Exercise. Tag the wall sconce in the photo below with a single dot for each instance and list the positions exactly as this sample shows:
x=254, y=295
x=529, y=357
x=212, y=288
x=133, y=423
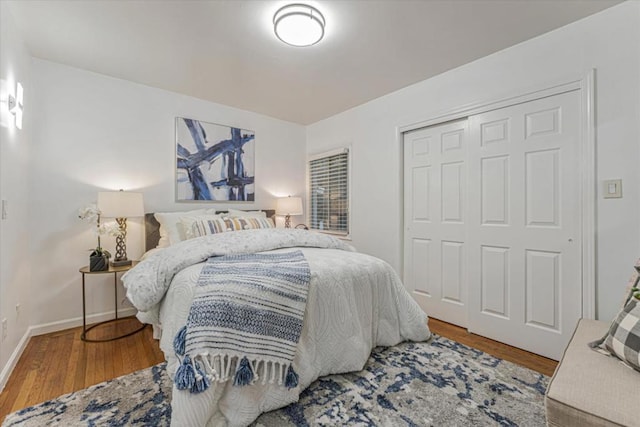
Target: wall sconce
x=16, y=105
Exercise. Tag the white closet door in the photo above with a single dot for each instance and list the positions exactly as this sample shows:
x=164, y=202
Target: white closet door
x=524, y=211
x=435, y=215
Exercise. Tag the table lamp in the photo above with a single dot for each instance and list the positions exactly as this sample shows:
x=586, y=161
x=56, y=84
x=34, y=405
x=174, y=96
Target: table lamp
x=120, y=205
x=288, y=206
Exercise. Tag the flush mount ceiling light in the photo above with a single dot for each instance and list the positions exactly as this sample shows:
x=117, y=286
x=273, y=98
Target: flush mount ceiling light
x=299, y=24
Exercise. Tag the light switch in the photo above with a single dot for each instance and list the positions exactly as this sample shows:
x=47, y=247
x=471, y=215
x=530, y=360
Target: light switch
x=613, y=189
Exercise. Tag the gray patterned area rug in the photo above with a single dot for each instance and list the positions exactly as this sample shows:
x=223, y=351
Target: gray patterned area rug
x=437, y=383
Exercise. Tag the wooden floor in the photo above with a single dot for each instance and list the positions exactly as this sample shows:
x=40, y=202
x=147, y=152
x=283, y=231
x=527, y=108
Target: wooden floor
x=494, y=348
x=59, y=363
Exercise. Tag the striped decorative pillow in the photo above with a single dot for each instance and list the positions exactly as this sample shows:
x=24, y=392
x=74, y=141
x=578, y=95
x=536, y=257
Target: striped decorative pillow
x=197, y=227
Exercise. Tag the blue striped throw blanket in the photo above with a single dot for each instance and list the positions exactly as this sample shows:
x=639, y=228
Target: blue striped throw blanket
x=245, y=321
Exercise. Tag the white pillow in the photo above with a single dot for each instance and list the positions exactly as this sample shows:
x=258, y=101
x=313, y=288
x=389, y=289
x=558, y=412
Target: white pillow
x=171, y=228
x=234, y=213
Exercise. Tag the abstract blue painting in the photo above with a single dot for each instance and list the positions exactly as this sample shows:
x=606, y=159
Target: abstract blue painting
x=214, y=162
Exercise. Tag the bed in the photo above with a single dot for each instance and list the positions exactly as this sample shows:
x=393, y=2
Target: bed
x=355, y=302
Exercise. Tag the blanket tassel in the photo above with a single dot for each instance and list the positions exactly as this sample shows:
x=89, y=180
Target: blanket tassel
x=201, y=382
x=185, y=378
x=179, y=341
x=292, y=378
x=244, y=374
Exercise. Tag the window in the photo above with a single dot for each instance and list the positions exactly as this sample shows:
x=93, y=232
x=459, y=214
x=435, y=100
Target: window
x=329, y=192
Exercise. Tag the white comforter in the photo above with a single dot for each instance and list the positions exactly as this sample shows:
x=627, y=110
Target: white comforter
x=355, y=302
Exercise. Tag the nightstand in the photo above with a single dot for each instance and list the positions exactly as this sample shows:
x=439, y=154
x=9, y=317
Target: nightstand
x=112, y=270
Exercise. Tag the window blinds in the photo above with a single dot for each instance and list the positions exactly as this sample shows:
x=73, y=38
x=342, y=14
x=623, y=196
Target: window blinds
x=329, y=192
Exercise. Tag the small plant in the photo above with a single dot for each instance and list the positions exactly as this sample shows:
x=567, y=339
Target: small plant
x=636, y=293
x=91, y=213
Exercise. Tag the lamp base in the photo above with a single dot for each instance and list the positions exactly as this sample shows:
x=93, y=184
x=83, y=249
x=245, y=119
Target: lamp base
x=121, y=263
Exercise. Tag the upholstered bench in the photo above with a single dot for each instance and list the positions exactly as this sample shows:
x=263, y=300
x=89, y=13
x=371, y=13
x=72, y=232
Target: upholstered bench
x=589, y=388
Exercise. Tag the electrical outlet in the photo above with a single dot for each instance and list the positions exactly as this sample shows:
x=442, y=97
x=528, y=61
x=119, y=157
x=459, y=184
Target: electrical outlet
x=5, y=330
x=5, y=207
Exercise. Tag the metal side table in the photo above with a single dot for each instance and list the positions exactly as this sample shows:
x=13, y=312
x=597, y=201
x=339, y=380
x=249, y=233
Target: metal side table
x=112, y=270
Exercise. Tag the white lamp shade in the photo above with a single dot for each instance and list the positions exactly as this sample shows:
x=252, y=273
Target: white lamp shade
x=120, y=204
x=289, y=206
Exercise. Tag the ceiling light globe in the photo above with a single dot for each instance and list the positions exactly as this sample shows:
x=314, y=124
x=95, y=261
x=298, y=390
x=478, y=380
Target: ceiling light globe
x=299, y=25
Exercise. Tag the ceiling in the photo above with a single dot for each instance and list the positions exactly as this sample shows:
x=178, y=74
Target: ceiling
x=226, y=52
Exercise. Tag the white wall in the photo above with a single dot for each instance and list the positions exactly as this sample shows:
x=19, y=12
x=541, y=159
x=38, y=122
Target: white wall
x=99, y=133
x=15, y=65
x=85, y=132
x=608, y=41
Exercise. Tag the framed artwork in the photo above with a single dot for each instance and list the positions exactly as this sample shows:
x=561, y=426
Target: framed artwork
x=214, y=162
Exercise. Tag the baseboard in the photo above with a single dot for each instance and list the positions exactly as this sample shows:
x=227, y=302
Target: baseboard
x=61, y=325
x=13, y=360
x=46, y=328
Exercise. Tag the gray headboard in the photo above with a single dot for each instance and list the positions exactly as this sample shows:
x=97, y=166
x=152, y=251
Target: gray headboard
x=151, y=231
x=152, y=227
